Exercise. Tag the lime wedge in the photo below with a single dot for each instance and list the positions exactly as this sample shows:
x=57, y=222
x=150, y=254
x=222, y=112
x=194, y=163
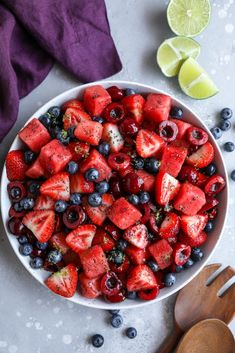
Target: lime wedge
x=188, y=17
x=172, y=53
x=195, y=82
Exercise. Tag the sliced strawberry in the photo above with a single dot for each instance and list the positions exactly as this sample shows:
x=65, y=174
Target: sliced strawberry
x=157, y=107
x=89, y=287
x=141, y=278
x=166, y=188
x=172, y=160
x=54, y=157
x=73, y=116
x=103, y=239
x=214, y=185
x=96, y=98
x=72, y=103
x=94, y=261
x=134, y=105
x=99, y=214
x=89, y=131
x=195, y=241
x=43, y=202
x=192, y=175
x=41, y=223
x=170, y=226
x=63, y=282
x=15, y=165
x=193, y=225
x=57, y=241
x=81, y=237
x=79, y=184
x=181, y=254
x=112, y=135
x=190, y=199
x=57, y=187
x=137, y=236
x=148, y=143
x=182, y=128
x=78, y=150
x=36, y=170
x=34, y=135
x=123, y=214
x=162, y=253
x=96, y=160
x=202, y=157
x=136, y=255
x=149, y=180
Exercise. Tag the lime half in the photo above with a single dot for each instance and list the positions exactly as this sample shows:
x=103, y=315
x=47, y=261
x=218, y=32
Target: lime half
x=195, y=82
x=172, y=53
x=188, y=17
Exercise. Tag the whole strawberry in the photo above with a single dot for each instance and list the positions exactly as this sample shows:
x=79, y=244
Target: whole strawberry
x=15, y=165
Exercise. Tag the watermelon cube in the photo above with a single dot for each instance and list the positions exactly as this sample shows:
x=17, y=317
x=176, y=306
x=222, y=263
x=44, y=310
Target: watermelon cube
x=96, y=160
x=96, y=98
x=190, y=199
x=94, y=262
x=36, y=170
x=34, y=135
x=157, y=107
x=162, y=253
x=172, y=160
x=89, y=131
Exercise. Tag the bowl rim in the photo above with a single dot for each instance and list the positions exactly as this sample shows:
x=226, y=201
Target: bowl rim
x=172, y=290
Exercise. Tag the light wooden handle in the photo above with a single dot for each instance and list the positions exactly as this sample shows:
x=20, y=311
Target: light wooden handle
x=171, y=342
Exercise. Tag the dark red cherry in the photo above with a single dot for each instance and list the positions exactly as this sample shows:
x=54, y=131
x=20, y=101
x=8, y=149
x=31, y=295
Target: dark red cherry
x=73, y=217
x=132, y=183
x=114, y=113
x=149, y=294
x=168, y=130
x=110, y=284
x=129, y=128
x=116, y=93
x=16, y=191
x=16, y=227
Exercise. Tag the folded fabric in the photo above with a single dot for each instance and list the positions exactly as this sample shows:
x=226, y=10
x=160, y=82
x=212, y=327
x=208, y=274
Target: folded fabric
x=33, y=34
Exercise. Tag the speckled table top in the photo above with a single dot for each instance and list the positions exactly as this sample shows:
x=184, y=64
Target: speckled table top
x=32, y=320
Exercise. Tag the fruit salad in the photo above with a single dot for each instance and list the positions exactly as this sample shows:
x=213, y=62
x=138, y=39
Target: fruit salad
x=112, y=194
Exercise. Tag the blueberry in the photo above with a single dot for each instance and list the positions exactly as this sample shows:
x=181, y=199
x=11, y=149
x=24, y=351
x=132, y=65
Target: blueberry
x=97, y=340
x=60, y=206
x=104, y=148
x=99, y=119
x=34, y=187
x=70, y=132
x=233, y=175
x=36, y=263
x=209, y=226
x=63, y=137
x=176, y=112
x=54, y=131
x=75, y=198
x=197, y=254
x=225, y=125
x=210, y=169
x=129, y=92
x=144, y=197
x=116, y=256
x=226, y=113
x=138, y=163
x=22, y=239
x=134, y=199
x=152, y=165
x=152, y=265
x=178, y=268
x=17, y=207
x=131, y=295
x=54, y=111
x=189, y=263
x=29, y=157
x=102, y=187
x=229, y=146
x=27, y=203
x=54, y=256
x=121, y=244
x=131, y=332
x=216, y=132
x=41, y=246
x=94, y=199
x=15, y=192
x=116, y=321
x=26, y=249
x=92, y=174
x=45, y=119
x=169, y=279
x=72, y=167
x=113, y=312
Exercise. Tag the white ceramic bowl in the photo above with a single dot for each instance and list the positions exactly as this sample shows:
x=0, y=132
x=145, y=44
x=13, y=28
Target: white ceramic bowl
x=209, y=247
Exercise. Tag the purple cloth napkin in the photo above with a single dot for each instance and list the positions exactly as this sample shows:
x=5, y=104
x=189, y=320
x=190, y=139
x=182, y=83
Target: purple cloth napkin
x=33, y=34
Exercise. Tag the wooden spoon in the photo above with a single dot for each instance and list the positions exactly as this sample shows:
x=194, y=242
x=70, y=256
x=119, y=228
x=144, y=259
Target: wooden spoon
x=198, y=301
x=210, y=335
